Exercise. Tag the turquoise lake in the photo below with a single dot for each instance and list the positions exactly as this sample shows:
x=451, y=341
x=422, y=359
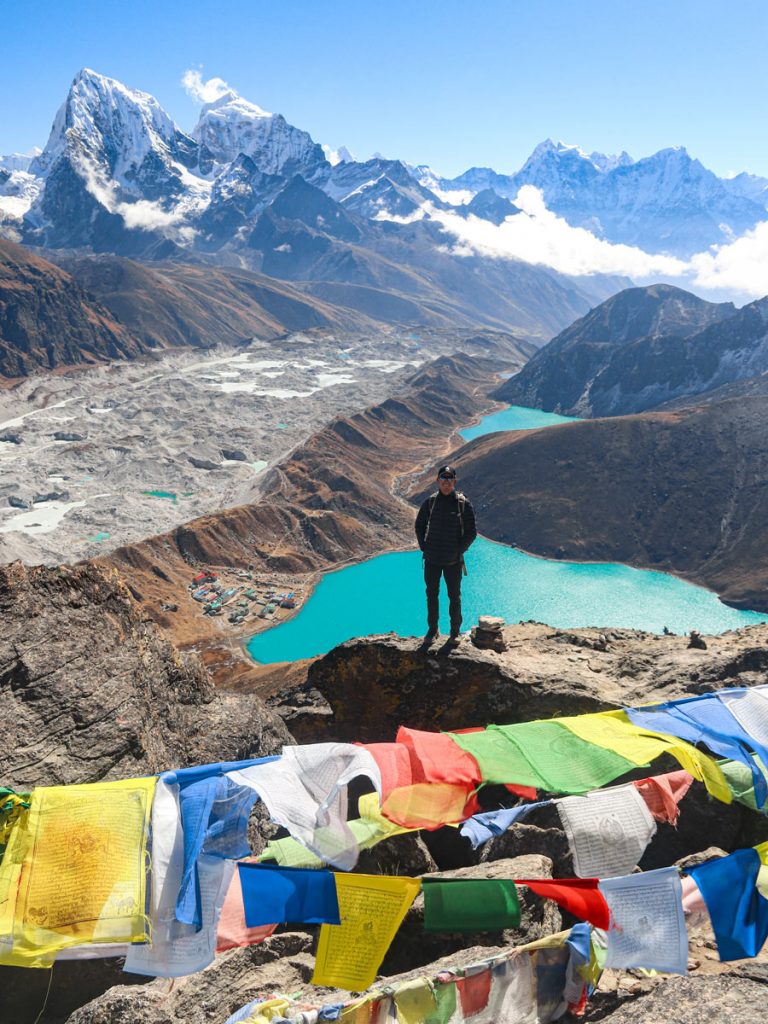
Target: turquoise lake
x=387, y=593
x=516, y=417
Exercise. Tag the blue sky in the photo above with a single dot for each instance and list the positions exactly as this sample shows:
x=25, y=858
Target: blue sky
x=447, y=83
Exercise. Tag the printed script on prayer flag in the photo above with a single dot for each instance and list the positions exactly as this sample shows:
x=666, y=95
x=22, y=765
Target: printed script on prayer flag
x=371, y=908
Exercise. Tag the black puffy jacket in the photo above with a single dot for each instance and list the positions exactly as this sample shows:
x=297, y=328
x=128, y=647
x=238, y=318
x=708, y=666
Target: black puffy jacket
x=440, y=535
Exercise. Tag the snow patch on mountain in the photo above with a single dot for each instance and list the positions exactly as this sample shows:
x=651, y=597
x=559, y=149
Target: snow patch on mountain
x=17, y=193
x=19, y=161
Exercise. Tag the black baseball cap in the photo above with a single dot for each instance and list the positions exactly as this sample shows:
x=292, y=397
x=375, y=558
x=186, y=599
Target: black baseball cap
x=447, y=473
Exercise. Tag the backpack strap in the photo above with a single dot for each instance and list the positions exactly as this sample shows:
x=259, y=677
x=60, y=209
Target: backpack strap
x=462, y=500
x=430, y=510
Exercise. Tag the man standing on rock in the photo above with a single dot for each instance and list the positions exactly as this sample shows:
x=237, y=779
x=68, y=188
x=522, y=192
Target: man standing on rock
x=445, y=528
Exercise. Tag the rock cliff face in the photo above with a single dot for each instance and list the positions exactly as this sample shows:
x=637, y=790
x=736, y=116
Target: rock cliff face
x=683, y=492
x=48, y=320
x=89, y=690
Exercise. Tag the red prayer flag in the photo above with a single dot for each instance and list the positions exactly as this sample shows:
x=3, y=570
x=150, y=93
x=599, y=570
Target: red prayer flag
x=439, y=758
x=580, y=896
x=474, y=990
x=663, y=793
x=232, y=930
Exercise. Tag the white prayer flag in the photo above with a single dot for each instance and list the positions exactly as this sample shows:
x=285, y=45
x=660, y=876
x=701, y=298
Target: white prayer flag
x=306, y=792
x=176, y=949
x=647, y=921
x=608, y=830
x=750, y=709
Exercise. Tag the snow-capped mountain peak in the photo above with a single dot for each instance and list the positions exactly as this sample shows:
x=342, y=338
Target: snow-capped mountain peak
x=232, y=125
x=236, y=105
x=338, y=156
x=101, y=115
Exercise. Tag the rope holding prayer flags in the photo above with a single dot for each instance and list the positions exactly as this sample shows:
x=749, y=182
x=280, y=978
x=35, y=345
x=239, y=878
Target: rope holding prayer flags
x=423, y=780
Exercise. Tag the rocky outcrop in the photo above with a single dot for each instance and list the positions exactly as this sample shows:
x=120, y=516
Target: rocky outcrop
x=89, y=690
x=545, y=672
x=739, y=995
x=683, y=492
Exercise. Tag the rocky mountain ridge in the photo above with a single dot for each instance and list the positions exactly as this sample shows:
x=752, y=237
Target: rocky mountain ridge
x=246, y=188
x=643, y=348
x=84, y=310
x=47, y=319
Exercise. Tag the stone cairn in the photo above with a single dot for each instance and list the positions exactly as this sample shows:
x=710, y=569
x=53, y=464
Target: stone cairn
x=487, y=634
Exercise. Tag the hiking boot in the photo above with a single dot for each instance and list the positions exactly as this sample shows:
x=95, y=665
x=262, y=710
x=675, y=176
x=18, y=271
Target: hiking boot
x=455, y=637
x=430, y=635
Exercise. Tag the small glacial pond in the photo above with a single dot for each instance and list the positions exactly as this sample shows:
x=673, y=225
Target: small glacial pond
x=516, y=417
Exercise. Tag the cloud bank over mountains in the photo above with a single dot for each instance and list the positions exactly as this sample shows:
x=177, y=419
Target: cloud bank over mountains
x=537, y=235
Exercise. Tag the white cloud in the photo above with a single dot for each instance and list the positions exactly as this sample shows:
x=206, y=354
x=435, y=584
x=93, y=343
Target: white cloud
x=204, y=92
x=539, y=236
x=143, y=213
x=741, y=266
x=536, y=235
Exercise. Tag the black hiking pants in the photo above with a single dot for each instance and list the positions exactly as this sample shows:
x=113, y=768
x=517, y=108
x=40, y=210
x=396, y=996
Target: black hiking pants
x=452, y=574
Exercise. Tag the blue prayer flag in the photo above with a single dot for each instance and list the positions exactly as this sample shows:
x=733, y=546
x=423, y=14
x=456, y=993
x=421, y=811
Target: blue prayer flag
x=738, y=912
x=274, y=895
x=214, y=813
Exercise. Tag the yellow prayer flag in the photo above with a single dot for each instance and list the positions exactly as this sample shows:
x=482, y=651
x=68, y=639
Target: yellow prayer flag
x=426, y=804
x=614, y=731
x=370, y=810
x=268, y=1011
x=371, y=908
x=75, y=870
x=414, y=1001
x=358, y=1012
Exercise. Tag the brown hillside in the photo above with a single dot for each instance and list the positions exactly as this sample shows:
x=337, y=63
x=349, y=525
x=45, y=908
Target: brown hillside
x=176, y=304
x=47, y=320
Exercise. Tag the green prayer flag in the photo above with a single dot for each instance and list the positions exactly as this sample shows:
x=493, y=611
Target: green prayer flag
x=445, y=997
x=567, y=763
x=470, y=905
x=499, y=758
x=740, y=782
